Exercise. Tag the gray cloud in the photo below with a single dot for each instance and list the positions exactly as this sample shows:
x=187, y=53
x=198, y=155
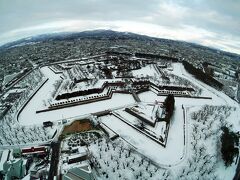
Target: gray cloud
x=209, y=22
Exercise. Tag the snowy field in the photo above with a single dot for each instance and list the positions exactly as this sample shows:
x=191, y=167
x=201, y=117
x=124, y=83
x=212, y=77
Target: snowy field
x=218, y=98
x=28, y=116
x=200, y=152
x=170, y=155
x=117, y=160
x=150, y=96
x=203, y=156
x=148, y=70
x=118, y=100
x=158, y=130
x=9, y=77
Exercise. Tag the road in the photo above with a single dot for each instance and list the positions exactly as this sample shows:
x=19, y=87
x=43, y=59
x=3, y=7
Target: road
x=55, y=146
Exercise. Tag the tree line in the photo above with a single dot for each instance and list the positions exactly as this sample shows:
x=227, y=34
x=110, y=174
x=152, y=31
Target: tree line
x=169, y=104
x=230, y=142
x=157, y=56
x=199, y=74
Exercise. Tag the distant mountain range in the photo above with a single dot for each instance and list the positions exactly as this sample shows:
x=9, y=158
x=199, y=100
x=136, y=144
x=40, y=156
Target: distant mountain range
x=95, y=34
x=101, y=34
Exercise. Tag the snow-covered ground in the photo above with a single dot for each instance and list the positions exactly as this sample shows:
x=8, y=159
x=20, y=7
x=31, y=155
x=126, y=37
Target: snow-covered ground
x=171, y=155
x=158, y=130
x=203, y=156
x=177, y=156
x=150, y=97
x=117, y=100
x=147, y=70
x=218, y=98
x=119, y=161
x=29, y=116
x=9, y=77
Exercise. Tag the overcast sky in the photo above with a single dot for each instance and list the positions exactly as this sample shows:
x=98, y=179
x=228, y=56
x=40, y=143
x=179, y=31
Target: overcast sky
x=214, y=23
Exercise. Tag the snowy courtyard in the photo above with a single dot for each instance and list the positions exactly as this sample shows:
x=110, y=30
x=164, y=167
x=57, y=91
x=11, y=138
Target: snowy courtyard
x=131, y=136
